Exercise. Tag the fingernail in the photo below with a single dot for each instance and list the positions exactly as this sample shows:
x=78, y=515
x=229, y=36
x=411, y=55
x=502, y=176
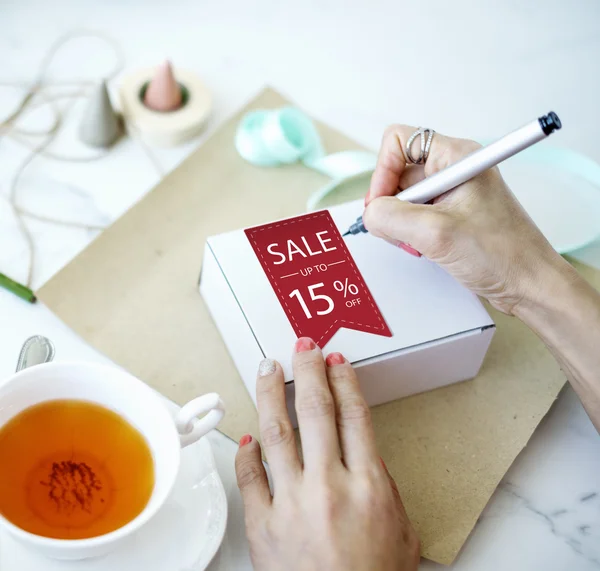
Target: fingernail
x=368, y=197
x=266, y=367
x=335, y=359
x=246, y=439
x=304, y=344
x=409, y=249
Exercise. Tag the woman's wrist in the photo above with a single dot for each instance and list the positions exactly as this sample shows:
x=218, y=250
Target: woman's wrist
x=565, y=314
x=558, y=293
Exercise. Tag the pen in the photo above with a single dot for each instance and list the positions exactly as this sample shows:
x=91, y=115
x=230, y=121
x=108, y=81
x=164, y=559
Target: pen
x=473, y=164
x=16, y=288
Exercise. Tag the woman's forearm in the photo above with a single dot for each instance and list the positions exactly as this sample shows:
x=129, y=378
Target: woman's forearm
x=564, y=311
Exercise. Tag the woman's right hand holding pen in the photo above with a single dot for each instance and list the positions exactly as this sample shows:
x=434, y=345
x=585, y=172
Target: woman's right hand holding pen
x=482, y=236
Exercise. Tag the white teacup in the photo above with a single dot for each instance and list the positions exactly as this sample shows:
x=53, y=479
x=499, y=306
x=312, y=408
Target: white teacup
x=136, y=402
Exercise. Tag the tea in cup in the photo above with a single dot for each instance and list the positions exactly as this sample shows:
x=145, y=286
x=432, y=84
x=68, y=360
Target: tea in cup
x=88, y=454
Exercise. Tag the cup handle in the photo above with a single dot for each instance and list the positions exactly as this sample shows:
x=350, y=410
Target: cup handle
x=192, y=429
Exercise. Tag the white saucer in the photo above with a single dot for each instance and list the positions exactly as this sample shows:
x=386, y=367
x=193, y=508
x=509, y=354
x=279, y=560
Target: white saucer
x=184, y=535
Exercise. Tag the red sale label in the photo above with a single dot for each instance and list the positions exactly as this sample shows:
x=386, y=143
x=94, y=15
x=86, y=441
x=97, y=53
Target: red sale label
x=317, y=282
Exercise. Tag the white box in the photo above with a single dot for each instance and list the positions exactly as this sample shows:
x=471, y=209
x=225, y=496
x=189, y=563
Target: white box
x=440, y=330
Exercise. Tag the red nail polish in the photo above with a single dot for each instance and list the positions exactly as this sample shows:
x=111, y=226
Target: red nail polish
x=246, y=439
x=304, y=344
x=335, y=359
x=409, y=249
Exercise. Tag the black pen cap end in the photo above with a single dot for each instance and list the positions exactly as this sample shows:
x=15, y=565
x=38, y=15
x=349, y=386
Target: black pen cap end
x=550, y=123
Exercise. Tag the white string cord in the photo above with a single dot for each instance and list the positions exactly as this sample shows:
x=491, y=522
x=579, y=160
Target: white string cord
x=41, y=92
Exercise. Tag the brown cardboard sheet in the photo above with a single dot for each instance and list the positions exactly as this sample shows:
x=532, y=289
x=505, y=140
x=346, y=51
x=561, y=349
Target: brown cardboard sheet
x=133, y=294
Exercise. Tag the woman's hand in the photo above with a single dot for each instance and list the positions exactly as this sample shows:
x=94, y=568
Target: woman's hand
x=478, y=232
x=337, y=510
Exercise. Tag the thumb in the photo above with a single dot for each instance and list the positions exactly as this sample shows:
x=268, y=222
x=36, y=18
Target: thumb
x=422, y=226
x=394, y=487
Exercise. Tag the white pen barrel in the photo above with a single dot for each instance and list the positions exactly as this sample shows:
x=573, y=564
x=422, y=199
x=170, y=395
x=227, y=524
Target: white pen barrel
x=474, y=164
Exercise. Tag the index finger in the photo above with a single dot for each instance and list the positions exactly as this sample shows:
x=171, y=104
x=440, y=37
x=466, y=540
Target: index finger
x=394, y=172
x=391, y=162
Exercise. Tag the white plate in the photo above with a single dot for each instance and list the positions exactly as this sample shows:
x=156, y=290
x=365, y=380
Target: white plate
x=560, y=189
x=566, y=209
x=183, y=536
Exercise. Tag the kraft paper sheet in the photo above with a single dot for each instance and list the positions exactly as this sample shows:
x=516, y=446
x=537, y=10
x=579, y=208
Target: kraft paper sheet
x=133, y=294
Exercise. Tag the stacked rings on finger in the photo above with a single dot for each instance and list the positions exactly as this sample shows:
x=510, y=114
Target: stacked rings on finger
x=426, y=137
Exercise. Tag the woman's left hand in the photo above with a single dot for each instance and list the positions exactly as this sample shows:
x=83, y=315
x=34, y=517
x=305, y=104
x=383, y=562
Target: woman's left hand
x=340, y=509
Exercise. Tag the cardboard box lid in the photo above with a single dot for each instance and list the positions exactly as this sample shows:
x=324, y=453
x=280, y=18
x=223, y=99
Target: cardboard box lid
x=419, y=301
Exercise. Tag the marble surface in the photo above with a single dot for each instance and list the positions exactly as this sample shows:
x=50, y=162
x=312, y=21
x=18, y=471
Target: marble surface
x=467, y=68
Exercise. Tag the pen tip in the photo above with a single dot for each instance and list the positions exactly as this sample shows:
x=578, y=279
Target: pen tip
x=346, y=234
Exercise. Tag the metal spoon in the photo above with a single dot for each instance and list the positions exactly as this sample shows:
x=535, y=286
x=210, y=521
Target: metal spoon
x=35, y=351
